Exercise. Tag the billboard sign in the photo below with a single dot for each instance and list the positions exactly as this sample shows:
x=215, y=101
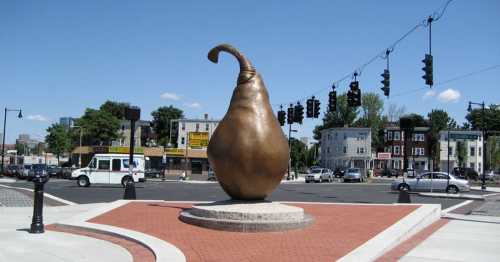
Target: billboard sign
x=198, y=139
x=384, y=156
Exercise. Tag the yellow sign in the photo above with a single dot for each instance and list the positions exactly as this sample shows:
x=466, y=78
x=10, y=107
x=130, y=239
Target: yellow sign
x=125, y=150
x=198, y=139
x=174, y=151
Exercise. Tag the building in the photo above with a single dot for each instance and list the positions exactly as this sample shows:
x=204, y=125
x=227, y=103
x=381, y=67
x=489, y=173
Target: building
x=470, y=143
x=29, y=145
x=418, y=154
x=143, y=135
x=346, y=147
x=67, y=122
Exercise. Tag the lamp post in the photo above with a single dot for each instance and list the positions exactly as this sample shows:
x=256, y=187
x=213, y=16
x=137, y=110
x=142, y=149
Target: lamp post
x=483, y=127
x=133, y=114
x=80, y=151
x=290, y=130
x=20, y=115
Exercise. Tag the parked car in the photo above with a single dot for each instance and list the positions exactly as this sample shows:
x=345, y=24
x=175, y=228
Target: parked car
x=37, y=169
x=339, y=172
x=25, y=172
x=13, y=170
x=354, y=174
x=389, y=172
x=465, y=173
x=490, y=175
x=437, y=181
x=54, y=171
x=152, y=173
x=319, y=175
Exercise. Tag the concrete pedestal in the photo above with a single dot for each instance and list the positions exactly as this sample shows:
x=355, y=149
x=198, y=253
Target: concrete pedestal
x=246, y=216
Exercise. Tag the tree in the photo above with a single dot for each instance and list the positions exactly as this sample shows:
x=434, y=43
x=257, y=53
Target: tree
x=117, y=109
x=491, y=115
x=394, y=112
x=100, y=126
x=372, y=107
x=161, y=123
x=58, y=140
x=343, y=116
x=298, y=154
x=438, y=121
x=461, y=153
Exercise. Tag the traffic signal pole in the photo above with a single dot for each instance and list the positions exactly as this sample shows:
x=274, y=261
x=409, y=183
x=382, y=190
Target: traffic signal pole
x=289, y=152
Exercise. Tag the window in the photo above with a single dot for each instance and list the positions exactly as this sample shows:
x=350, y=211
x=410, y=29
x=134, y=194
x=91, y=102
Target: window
x=329, y=137
x=103, y=165
x=207, y=126
x=345, y=136
x=472, y=165
x=182, y=141
x=197, y=127
x=328, y=150
x=115, y=165
x=440, y=176
x=361, y=150
x=93, y=163
x=450, y=150
x=479, y=167
x=389, y=135
x=397, y=135
x=125, y=163
x=396, y=150
x=420, y=151
x=183, y=126
x=397, y=164
x=479, y=151
x=472, y=151
x=418, y=137
x=345, y=149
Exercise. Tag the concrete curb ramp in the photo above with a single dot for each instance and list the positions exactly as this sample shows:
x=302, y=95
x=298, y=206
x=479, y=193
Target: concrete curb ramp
x=424, y=216
x=162, y=250
x=456, y=196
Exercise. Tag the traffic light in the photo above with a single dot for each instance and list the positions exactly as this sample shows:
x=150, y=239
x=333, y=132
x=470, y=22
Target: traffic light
x=429, y=79
x=298, y=113
x=332, y=101
x=281, y=116
x=354, y=95
x=386, y=82
x=316, y=108
x=310, y=110
x=290, y=115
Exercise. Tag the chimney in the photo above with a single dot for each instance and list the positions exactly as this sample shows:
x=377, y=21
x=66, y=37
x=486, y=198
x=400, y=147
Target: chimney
x=206, y=116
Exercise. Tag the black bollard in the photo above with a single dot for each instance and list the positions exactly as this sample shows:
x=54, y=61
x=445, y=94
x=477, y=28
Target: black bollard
x=129, y=191
x=404, y=196
x=37, y=222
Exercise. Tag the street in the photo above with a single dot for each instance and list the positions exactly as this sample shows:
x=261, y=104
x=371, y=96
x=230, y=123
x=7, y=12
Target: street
x=186, y=191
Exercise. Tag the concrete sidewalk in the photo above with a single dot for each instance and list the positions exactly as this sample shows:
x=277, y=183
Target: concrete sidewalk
x=19, y=245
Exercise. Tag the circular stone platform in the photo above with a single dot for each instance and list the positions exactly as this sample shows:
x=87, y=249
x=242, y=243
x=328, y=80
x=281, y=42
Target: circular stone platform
x=246, y=216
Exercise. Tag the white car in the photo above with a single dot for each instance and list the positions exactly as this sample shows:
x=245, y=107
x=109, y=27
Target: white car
x=319, y=175
x=432, y=181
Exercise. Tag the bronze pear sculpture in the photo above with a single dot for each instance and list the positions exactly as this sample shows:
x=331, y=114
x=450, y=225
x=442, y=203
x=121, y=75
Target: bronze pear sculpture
x=248, y=150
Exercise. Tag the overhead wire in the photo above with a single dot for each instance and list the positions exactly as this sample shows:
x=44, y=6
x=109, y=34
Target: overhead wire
x=436, y=15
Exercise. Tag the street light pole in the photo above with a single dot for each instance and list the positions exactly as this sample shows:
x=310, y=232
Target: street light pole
x=20, y=115
x=80, y=153
x=484, y=129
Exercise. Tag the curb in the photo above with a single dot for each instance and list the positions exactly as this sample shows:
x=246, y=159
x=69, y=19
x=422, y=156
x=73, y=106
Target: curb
x=454, y=196
x=395, y=234
x=162, y=250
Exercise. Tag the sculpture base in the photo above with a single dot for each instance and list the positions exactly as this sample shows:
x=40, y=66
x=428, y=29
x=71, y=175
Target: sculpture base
x=246, y=216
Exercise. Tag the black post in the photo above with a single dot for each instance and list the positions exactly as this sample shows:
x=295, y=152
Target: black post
x=132, y=114
x=290, y=148
x=37, y=226
x=3, y=138
x=448, y=150
x=483, y=182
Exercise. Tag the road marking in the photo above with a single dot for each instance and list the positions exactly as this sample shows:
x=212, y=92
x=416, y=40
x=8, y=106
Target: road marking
x=461, y=204
x=45, y=194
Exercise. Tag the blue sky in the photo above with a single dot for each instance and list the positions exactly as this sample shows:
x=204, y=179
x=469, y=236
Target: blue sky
x=60, y=57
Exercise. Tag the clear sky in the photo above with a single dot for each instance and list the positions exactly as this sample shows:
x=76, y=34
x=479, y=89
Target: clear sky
x=59, y=57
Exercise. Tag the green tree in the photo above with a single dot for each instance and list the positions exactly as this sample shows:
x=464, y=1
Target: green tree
x=461, y=153
x=372, y=107
x=117, y=109
x=100, y=127
x=161, y=123
x=58, y=140
x=298, y=154
x=491, y=116
x=343, y=116
x=438, y=121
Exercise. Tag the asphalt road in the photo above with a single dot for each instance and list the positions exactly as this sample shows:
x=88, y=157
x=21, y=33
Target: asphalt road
x=180, y=191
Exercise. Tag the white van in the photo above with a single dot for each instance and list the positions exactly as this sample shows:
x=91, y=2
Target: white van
x=110, y=169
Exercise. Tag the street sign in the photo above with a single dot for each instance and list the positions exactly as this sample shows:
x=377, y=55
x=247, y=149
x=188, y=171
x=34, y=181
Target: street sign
x=175, y=151
x=464, y=136
x=198, y=139
x=384, y=156
x=125, y=150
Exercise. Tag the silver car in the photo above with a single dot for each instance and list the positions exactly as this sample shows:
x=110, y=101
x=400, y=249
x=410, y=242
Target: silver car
x=432, y=181
x=319, y=175
x=353, y=174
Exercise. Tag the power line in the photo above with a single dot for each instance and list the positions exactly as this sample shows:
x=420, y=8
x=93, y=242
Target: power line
x=436, y=15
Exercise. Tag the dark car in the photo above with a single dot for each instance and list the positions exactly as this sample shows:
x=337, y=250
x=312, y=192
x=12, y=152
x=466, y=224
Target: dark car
x=13, y=170
x=465, y=173
x=152, y=173
x=388, y=172
x=339, y=172
x=54, y=171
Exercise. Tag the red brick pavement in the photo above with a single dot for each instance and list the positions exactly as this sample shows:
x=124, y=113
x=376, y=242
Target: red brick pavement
x=337, y=230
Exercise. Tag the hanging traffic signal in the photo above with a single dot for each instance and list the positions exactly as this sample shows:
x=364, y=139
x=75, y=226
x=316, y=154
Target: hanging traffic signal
x=298, y=113
x=429, y=79
x=332, y=100
x=310, y=110
x=386, y=82
x=281, y=116
x=290, y=115
x=354, y=95
x=316, y=107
